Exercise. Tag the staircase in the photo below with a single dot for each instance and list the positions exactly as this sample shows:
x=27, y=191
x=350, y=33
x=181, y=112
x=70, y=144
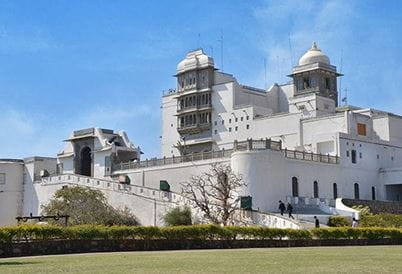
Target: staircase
x=137, y=198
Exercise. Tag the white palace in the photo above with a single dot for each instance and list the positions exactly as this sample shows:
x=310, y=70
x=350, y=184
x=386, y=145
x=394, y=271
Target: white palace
x=292, y=142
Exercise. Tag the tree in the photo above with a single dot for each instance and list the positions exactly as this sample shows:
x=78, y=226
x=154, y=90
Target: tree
x=87, y=206
x=215, y=193
x=178, y=216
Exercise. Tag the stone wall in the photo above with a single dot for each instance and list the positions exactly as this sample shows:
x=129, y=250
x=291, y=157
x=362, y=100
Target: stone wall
x=85, y=246
x=376, y=206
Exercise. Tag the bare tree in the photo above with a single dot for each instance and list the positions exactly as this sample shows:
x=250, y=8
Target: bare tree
x=215, y=193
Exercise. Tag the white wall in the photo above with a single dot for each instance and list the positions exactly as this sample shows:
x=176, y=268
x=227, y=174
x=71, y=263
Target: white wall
x=11, y=192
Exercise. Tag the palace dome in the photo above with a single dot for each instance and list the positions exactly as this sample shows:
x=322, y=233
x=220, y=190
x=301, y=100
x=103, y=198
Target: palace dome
x=195, y=59
x=314, y=55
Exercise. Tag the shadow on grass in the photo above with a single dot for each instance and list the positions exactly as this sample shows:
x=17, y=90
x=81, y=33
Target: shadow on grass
x=18, y=263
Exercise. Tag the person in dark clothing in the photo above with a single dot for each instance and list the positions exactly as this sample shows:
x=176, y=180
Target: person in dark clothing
x=290, y=210
x=317, y=222
x=282, y=207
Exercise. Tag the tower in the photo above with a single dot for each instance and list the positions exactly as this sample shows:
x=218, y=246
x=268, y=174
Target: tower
x=195, y=78
x=315, y=74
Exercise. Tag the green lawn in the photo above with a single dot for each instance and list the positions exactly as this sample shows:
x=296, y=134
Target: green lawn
x=375, y=259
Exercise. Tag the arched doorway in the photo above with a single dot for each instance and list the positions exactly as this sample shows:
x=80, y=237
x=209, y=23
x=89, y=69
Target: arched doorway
x=335, y=190
x=295, y=187
x=357, y=192
x=315, y=189
x=373, y=193
x=86, y=161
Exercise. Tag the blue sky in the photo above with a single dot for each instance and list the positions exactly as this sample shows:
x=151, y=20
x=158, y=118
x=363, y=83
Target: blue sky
x=67, y=65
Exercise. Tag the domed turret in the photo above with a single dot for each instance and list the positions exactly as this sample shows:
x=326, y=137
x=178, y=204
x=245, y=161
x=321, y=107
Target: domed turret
x=314, y=55
x=196, y=59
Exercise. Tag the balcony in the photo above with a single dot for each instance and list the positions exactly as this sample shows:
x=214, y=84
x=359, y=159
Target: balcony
x=191, y=108
x=194, y=128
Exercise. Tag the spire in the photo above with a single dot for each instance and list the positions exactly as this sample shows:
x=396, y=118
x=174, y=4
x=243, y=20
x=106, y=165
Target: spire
x=314, y=46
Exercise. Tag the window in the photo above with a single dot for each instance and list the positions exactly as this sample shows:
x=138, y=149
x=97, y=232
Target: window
x=335, y=190
x=347, y=153
x=247, y=117
x=327, y=83
x=59, y=168
x=248, y=127
x=2, y=178
x=237, y=119
x=347, y=143
x=357, y=194
x=353, y=156
x=361, y=129
x=108, y=165
x=315, y=189
x=230, y=121
x=230, y=129
x=223, y=122
x=378, y=156
x=241, y=118
x=373, y=193
x=360, y=155
x=236, y=128
x=306, y=83
x=392, y=158
x=215, y=123
x=216, y=132
x=295, y=187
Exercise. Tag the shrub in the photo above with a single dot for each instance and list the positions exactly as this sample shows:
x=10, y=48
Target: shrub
x=381, y=220
x=338, y=221
x=87, y=206
x=178, y=216
x=196, y=232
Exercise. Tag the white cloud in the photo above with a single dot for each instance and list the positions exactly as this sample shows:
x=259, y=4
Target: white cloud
x=325, y=22
x=25, y=135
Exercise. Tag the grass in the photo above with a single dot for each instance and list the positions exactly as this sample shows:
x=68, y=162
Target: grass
x=374, y=259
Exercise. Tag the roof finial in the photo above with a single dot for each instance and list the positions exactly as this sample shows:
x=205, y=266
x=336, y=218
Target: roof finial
x=314, y=46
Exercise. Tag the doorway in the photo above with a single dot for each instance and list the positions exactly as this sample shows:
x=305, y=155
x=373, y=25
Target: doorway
x=86, y=161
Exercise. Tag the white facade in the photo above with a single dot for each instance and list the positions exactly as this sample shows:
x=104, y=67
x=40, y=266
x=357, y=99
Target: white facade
x=304, y=145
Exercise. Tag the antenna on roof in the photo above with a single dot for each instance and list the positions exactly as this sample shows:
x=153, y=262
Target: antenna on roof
x=340, y=78
x=291, y=52
x=199, y=41
x=345, y=99
x=265, y=73
x=221, y=41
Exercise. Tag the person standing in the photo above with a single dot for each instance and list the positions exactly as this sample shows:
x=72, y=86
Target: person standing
x=290, y=210
x=282, y=207
x=355, y=223
x=317, y=222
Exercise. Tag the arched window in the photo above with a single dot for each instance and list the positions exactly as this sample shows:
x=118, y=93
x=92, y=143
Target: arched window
x=357, y=194
x=373, y=193
x=335, y=190
x=86, y=162
x=295, y=187
x=315, y=189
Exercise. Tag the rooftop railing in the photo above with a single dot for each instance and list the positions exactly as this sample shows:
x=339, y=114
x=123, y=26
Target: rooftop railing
x=248, y=145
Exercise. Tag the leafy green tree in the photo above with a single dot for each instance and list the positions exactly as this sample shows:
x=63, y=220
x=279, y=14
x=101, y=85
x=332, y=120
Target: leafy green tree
x=87, y=206
x=178, y=216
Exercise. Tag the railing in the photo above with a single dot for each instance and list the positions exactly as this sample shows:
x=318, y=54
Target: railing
x=141, y=191
x=309, y=156
x=160, y=196
x=196, y=125
x=195, y=107
x=174, y=160
x=250, y=144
